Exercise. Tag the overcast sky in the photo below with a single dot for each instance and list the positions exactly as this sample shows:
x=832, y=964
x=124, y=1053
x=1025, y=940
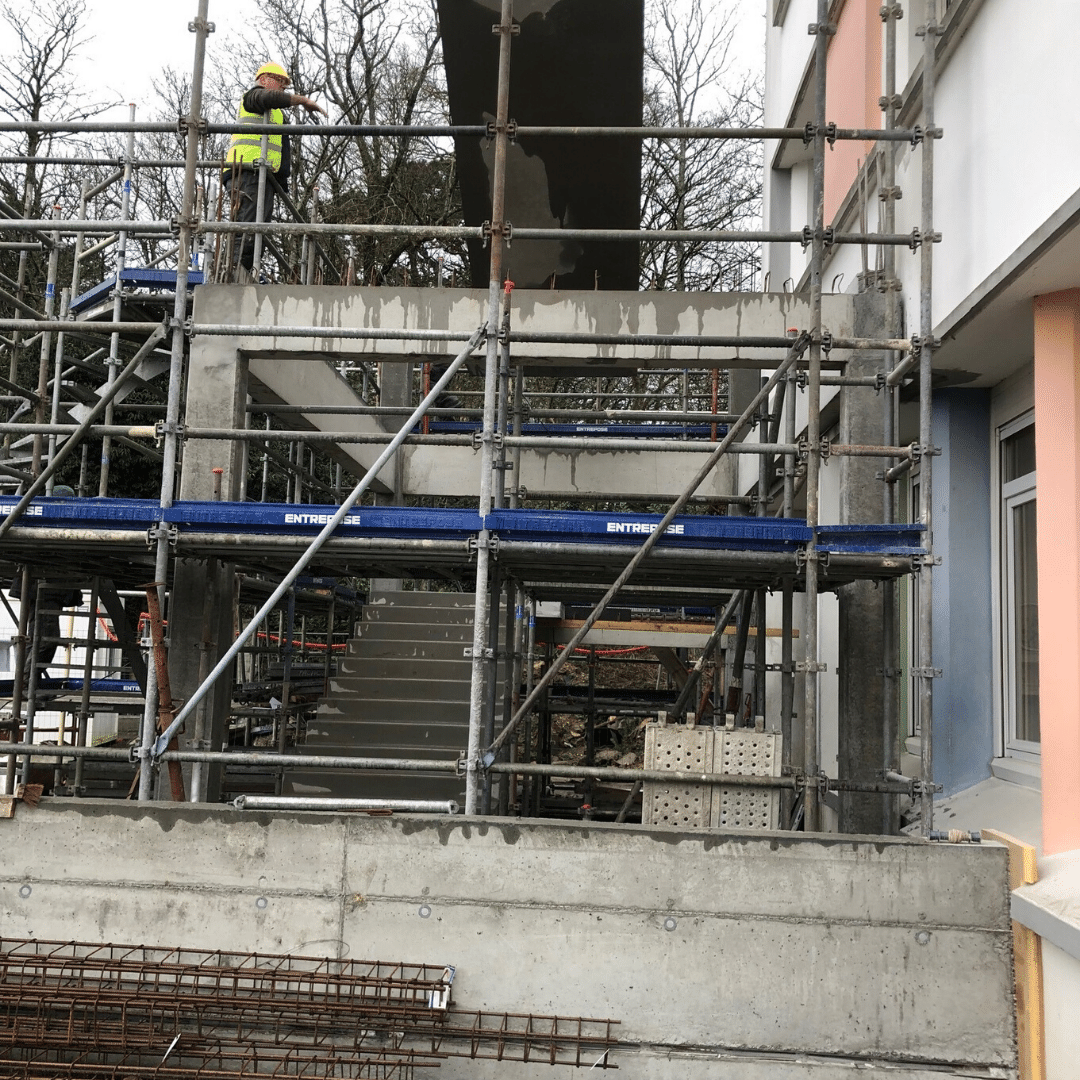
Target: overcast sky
x=131, y=42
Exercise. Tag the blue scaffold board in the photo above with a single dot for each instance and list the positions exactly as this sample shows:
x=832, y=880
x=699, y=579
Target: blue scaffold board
x=90, y=513
x=607, y=431
x=597, y=527
x=900, y=539
x=410, y=522
x=133, y=277
x=405, y=522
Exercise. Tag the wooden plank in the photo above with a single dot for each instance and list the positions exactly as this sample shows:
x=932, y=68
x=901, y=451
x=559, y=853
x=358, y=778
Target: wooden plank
x=1027, y=962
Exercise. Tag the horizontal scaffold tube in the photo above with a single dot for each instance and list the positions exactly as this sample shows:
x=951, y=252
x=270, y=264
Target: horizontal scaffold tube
x=566, y=443
x=325, y=761
x=69, y=327
x=77, y=225
x=298, y=802
x=235, y=757
x=464, y=232
x=554, y=337
x=466, y=130
x=353, y=333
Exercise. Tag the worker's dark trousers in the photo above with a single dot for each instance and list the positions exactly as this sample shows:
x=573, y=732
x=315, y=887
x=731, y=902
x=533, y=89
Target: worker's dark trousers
x=243, y=194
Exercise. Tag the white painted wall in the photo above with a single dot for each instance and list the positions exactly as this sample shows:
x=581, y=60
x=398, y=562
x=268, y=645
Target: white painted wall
x=1061, y=991
x=1006, y=101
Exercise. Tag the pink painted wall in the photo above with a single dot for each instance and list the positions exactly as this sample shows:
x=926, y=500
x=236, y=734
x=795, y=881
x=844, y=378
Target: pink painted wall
x=1057, y=453
x=853, y=88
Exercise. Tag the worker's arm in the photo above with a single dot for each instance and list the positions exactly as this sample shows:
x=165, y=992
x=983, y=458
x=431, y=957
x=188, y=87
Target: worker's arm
x=258, y=100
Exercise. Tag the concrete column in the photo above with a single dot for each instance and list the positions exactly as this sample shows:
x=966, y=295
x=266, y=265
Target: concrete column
x=865, y=746
x=1057, y=452
x=200, y=610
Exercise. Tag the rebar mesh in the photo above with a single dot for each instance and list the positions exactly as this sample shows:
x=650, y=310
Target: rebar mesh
x=72, y=1009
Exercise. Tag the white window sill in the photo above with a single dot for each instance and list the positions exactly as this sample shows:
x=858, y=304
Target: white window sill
x=1018, y=771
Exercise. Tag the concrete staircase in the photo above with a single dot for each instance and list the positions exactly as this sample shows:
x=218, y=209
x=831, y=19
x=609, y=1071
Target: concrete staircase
x=402, y=691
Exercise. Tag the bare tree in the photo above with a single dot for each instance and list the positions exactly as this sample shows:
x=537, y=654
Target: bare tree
x=36, y=83
x=698, y=184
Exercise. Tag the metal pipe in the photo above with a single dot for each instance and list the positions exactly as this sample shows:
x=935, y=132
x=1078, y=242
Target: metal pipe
x=468, y=232
x=753, y=134
x=70, y=228
x=101, y=245
x=81, y=328
x=171, y=442
x=313, y=547
x=113, y=362
x=45, y=351
x=480, y=616
x=282, y=802
x=890, y=13
x=89, y=647
x=811, y=802
x=925, y=678
x=796, y=348
x=679, y=708
x=652, y=776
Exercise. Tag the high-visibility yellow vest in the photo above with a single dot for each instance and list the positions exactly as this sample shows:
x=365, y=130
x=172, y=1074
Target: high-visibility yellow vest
x=246, y=147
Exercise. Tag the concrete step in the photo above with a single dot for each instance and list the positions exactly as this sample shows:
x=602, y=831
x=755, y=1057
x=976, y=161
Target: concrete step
x=409, y=632
x=401, y=667
x=403, y=711
x=413, y=688
x=363, y=650
x=420, y=615
x=426, y=600
x=430, y=738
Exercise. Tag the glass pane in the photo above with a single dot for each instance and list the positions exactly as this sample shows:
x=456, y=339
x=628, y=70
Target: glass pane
x=1026, y=622
x=1019, y=453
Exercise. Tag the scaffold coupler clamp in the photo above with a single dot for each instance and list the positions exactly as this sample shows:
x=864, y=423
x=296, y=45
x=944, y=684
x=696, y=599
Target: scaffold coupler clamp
x=162, y=530
x=201, y=24
x=137, y=754
x=462, y=764
x=490, y=542
x=185, y=326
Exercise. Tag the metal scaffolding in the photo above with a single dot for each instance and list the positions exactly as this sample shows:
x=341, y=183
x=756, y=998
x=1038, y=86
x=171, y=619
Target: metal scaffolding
x=798, y=366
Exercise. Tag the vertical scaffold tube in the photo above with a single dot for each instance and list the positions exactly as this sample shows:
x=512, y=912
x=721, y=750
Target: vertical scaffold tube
x=812, y=804
x=925, y=679
x=46, y=349
x=491, y=371
x=114, y=339
x=187, y=222
x=890, y=719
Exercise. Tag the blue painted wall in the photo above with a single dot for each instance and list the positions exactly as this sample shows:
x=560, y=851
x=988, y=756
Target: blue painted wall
x=963, y=612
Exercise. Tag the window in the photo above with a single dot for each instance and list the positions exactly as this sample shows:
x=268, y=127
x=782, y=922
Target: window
x=1020, y=580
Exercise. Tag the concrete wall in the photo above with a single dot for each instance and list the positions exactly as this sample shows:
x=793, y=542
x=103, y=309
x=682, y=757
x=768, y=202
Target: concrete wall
x=736, y=954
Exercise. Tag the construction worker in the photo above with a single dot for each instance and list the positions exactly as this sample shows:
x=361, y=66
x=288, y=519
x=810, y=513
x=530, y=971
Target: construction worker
x=263, y=102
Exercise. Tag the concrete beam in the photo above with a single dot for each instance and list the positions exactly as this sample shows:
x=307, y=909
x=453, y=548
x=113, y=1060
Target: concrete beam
x=461, y=311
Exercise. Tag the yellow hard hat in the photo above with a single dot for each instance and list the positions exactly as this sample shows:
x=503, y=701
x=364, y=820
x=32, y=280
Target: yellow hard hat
x=271, y=68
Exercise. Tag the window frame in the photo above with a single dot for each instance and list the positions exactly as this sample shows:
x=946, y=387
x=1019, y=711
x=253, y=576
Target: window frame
x=1013, y=494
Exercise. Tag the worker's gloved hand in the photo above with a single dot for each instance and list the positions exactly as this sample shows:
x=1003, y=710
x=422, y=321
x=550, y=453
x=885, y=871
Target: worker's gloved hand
x=310, y=104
